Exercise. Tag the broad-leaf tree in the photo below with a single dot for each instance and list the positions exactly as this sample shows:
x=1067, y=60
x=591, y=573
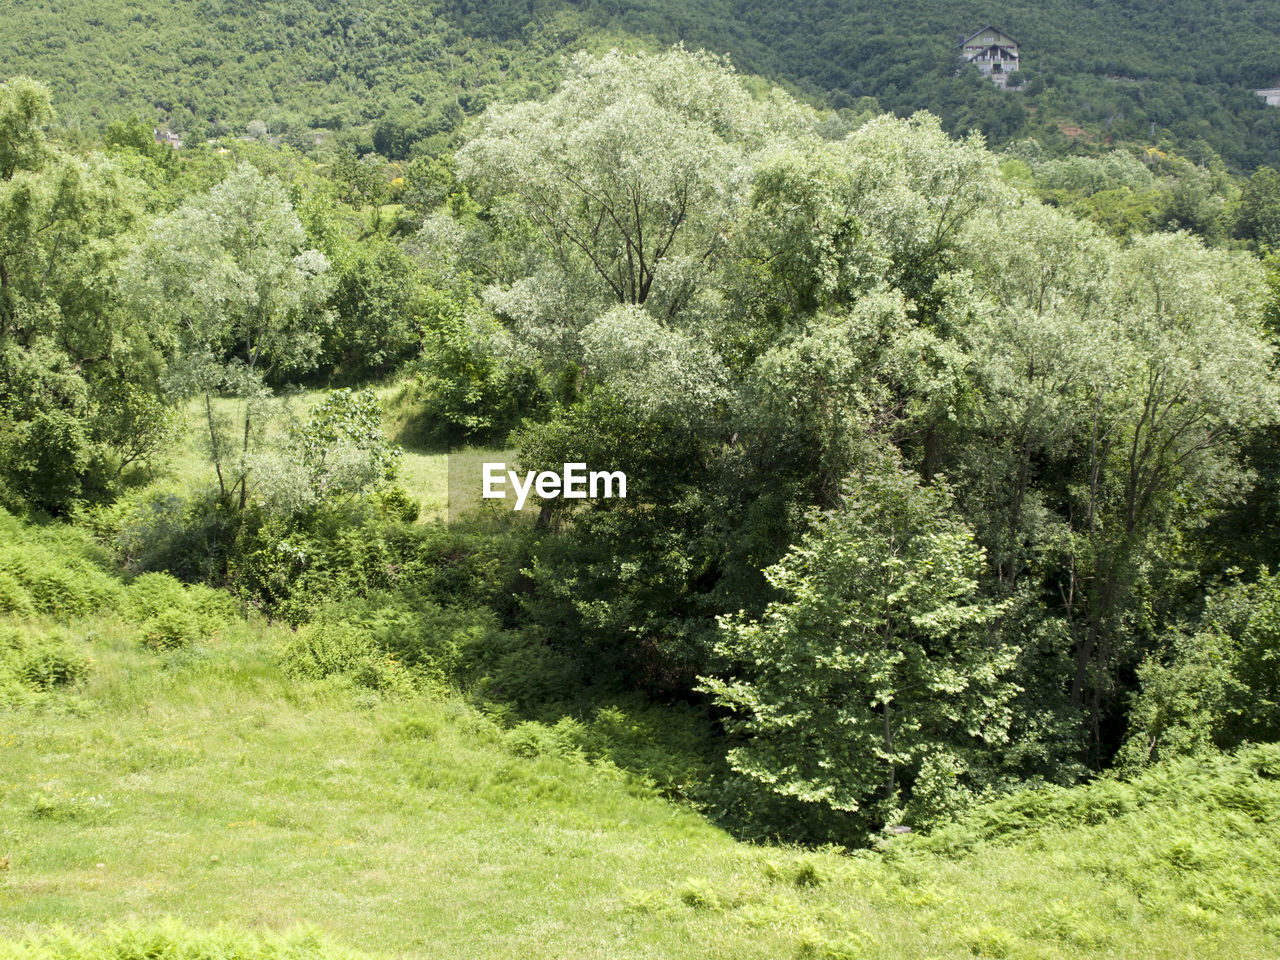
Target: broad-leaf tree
x=79, y=396
x=876, y=658
x=630, y=174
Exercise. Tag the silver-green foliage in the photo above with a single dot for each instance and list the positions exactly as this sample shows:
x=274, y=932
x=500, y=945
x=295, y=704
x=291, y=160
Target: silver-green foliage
x=339, y=452
x=232, y=271
x=631, y=174
x=1132, y=373
x=343, y=446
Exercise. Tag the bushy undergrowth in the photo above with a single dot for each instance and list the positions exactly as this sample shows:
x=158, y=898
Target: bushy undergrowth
x=392, y=607
x=666, y=746
x=59, y=573
x=34, y=662
x=1216, y=682
x=1244, y=784
x=293, y=569
x=329, y=649
x=467, y=385
x=173, y=614
x=292, y=566
x=54, y=570
x=173, y=941
x=155, y=529
x=362, y=636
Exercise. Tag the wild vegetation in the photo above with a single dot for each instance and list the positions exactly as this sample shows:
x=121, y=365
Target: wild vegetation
x=401, y=78
x=940, y=599
x=221, y=787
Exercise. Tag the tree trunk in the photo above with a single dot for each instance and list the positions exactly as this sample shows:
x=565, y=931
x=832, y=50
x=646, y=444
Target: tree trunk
x=888, y=749
x=213, y=443
x=244, y=452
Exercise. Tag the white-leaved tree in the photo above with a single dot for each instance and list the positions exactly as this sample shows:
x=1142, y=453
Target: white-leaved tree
x=631, y=173
x=1117, y=386
x=232, y=272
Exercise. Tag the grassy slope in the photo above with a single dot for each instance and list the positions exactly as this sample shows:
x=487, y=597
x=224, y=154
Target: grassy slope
x=204, y=784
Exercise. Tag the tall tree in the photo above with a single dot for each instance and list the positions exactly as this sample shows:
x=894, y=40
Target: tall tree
x=231, y=269
x=630, y=174
x=1259, y=215
x=1117, y=388
x=78, y=378
x=875, y=659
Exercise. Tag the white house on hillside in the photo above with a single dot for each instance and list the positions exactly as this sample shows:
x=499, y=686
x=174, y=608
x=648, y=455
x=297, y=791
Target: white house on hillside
x=993, y=52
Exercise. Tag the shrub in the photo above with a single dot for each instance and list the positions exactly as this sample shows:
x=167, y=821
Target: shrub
x=532, y=739
x=47, y=448
x=342, y=446
x=14, y=597
x=988, y=940
x=803, y=872
x=161, y=531
x=37, y=662
x=396, y=505
x=171, y=629
x=329, y=648
x=294, y=568
x=1217, y=684
x=152, y=594
x=376, y=301
x=53, y=570
x=56, y=584
x=173, y=614
x=516, y=668
x=324, y=649
x=469, y=384
x=668, y=745
x=1244, y=782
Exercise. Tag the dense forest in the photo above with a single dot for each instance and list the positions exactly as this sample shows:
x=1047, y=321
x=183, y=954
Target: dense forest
x=401, y=77
x=949, y=538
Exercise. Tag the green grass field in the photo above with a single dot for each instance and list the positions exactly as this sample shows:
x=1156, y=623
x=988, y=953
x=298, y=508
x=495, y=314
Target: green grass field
x=204, y=784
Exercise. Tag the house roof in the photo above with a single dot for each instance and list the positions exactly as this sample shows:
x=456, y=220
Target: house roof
x=994, y=48
x=984, y=30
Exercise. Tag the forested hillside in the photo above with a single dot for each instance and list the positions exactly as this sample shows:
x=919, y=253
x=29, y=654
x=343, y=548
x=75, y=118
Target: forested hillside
x=395, y=74
x=1116, y=67
x=210, y=68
